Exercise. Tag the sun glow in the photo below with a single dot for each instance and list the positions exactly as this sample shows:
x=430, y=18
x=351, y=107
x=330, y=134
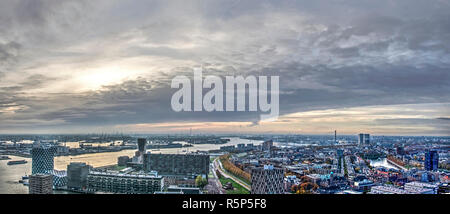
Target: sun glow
x=96, y=78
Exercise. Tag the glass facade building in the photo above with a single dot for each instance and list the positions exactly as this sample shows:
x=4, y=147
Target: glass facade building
x=267, y=180
x=59, y=178
x=42, y=159
x=431, y=160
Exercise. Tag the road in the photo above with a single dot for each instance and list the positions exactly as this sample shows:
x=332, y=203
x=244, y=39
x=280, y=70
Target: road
x=214, y=183
x=218, y=165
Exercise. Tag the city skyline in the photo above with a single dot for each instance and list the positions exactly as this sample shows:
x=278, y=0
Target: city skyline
x=106, y=66
x=363, y=119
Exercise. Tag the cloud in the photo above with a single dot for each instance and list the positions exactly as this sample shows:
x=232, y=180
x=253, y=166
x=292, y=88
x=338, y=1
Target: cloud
x=443, y=118
x=105, y=63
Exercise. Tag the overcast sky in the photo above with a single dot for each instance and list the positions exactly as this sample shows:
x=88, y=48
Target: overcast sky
x=381, y=67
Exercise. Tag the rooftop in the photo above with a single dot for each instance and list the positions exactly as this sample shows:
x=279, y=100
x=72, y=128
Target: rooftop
x=115, y=174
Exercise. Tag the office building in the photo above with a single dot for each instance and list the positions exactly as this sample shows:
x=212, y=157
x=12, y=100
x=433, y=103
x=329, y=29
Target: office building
x=59, y=178
x=42, y=162
x=42, y=158
x=139, y=154
x=41, y=184
x=363, y=139
x=367, y=138
x=123, y=160
x=77, y=175
x=431, y=160
x=177, y=164
x=267, y=145
x=227, y=148
x=142, y=143
x=267, y=180
x=400, y=150
x=142, y=183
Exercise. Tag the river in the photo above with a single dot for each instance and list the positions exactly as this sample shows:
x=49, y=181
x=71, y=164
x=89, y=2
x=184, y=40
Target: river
x=382, y=162
x=11, y=174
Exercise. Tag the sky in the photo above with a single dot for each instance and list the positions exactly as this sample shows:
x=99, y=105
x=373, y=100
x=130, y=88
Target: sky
x=381, y=67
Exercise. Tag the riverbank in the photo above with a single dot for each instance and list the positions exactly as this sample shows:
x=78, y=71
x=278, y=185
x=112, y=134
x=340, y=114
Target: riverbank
x=10, y=175
x=383, y=162
x=396, y=165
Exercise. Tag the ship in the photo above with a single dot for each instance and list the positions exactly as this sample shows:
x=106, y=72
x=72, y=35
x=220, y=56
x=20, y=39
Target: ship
x=24, y=180
x=17, y=162
x=4, y=157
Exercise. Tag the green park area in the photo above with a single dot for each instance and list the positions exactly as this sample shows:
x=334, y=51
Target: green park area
x=237, y=188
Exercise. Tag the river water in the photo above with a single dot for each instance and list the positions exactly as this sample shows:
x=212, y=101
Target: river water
x=382, y=162
x=11, y=174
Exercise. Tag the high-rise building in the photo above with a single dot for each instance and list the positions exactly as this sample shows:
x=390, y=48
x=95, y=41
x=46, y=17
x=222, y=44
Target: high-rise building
x=77, y=175
x=366, y=138
x=335, y=136
x=267, y=180
x=241, y=147
x=41, y=184
x=431, y=160
x=42, y=158
x=139, y=155
x=59, y=178
x=267, y=145
x=400, y=150
x=363, y=139
x=177, y=164
x=142, y=142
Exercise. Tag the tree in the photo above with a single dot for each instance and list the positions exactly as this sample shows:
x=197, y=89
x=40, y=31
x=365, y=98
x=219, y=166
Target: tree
x=294, y=188
x=200, y=181
x=233, y=169
x=308, y=187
